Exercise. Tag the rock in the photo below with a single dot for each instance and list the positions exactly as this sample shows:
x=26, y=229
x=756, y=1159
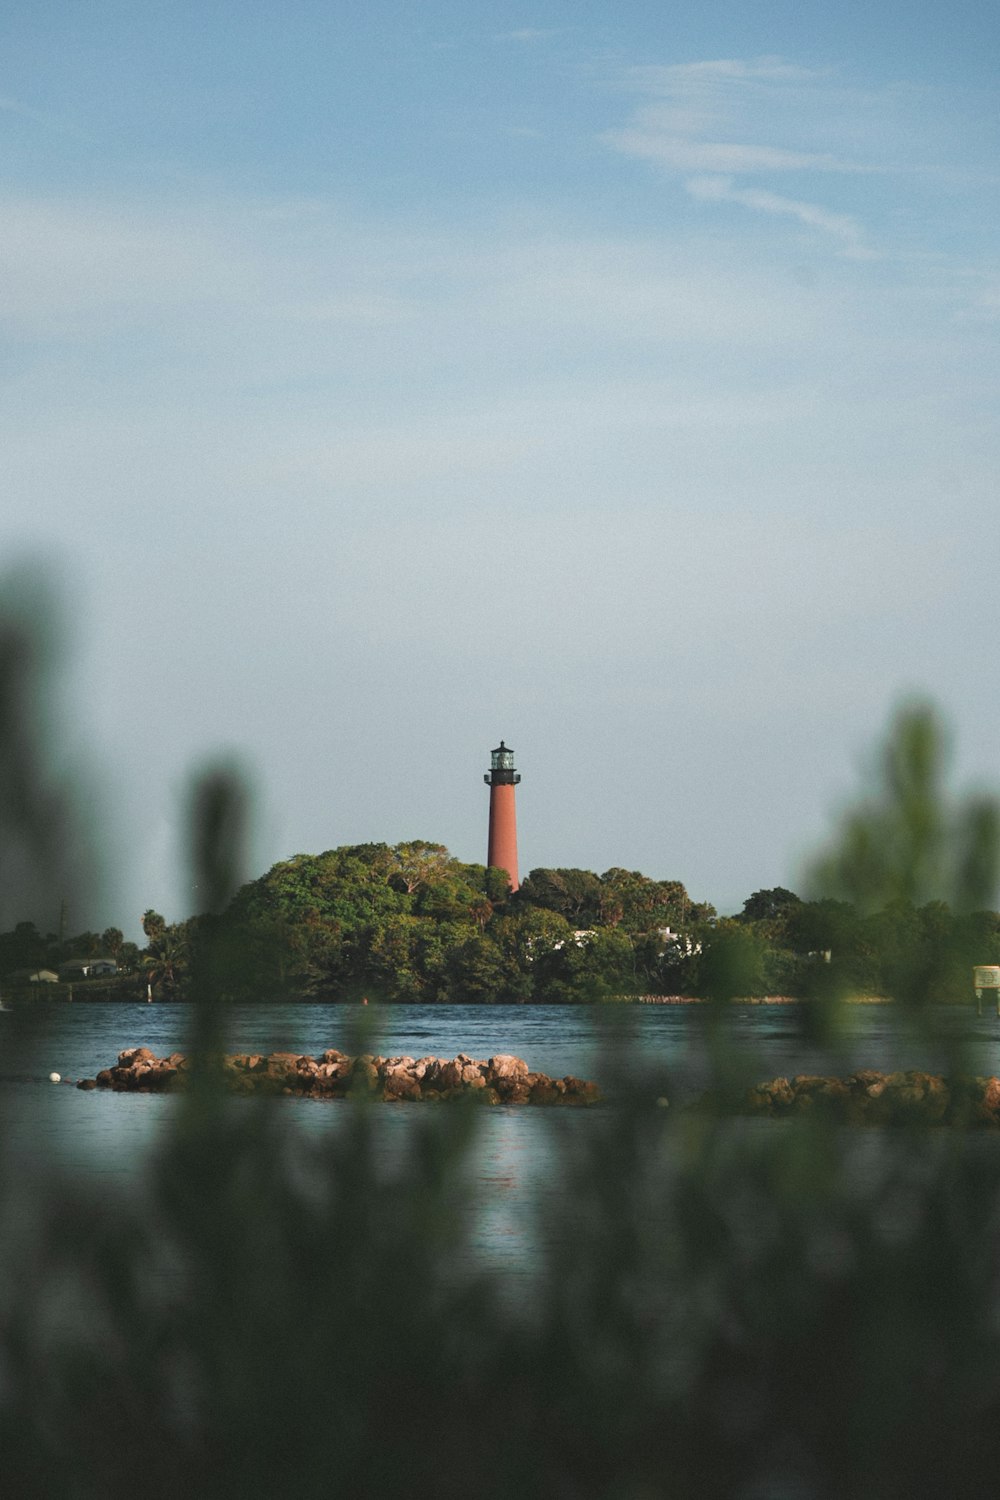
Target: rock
x=582, y=1091
x=507, y=1075
x=543, y=1091
x=807, y=1083
x=915, y=1097
x=331, y=1073
x=504, y=1065
x=158, y=1080
x=868, y=1097
x=87, y=1083
x=364, y=1075
x=503, y=1079
x=248, y=1063
x=780, y=1095
x=276, y=1069
x=304, y=1074
x=450, y=1074
x=518, y=1093
x=399, y=1083
x=136, y=1056
x=833, y=1093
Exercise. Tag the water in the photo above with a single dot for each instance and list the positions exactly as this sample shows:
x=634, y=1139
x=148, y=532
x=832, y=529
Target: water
x=656, y=1049
x=105, y=1131
x=589, y=1041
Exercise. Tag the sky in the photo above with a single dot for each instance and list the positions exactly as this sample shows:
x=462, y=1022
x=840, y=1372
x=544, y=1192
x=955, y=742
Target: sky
x=378, y=381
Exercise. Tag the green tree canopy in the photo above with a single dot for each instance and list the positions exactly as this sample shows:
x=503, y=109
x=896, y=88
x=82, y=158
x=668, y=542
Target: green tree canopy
x=769, y=906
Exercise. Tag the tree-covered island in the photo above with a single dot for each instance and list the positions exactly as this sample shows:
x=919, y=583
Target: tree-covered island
x=411, y=923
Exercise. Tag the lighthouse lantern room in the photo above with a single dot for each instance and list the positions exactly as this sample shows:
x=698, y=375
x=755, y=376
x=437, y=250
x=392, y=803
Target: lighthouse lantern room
x=501, y=780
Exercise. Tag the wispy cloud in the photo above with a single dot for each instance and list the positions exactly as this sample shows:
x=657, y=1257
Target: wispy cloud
x=685, y=155
x=669, y=77
x=717, y=121
x=843, y=227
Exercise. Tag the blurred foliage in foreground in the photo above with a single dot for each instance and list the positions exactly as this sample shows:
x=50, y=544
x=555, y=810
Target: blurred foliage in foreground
x=711, y=1310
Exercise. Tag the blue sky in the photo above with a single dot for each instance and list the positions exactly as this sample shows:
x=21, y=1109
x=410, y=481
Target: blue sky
x=381, y=380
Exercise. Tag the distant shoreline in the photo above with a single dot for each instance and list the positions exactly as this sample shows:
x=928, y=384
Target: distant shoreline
x=126, y=990
x=748, y=1000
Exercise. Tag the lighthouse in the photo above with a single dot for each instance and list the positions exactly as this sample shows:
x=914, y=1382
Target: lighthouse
x=501, y=780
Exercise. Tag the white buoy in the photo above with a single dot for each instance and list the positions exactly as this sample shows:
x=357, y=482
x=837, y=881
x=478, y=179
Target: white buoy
x=55, y=1078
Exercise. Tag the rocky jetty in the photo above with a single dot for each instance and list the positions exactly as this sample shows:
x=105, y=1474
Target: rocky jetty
x=869, y=1097
x=500, y=1080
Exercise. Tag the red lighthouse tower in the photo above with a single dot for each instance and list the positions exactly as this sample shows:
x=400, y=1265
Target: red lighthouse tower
x=501, y=780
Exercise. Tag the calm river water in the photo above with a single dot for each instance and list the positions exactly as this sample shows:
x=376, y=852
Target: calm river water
x=105, y=1135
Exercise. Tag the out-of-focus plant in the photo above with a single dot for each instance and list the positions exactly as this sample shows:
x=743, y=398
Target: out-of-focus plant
x=45, y=854
x=711, y=1308
x=907, y=841
x=920, y=866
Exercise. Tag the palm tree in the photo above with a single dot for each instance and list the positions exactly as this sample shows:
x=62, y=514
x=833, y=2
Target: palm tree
x=166, y=958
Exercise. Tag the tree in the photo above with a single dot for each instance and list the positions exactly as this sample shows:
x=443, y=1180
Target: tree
x=587, y=966
x=640, y=904
x=166, y=960
x=153, y=925
x=574, y=894
x=732, y=962
x=84, y=945
x=128, y=958
x=772, y=905
x=480, y=973
x=822, y=926
x=496, y=884
x=23, y=948
x=417, y=863
x=112, y=939
x=391, y=966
